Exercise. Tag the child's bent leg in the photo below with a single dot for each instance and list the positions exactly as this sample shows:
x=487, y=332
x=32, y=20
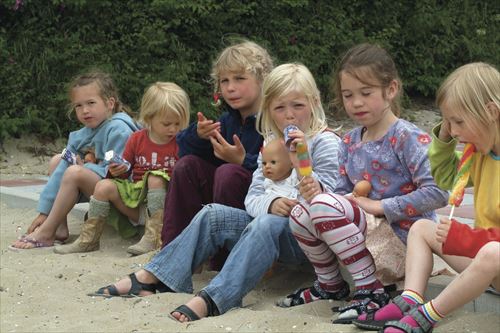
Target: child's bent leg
x=231, y=182
x=155, y=203
x=190, y=187
x=330, y=283
x=76, y=179
x=107, y=191
x=421, y=245
x=470, y=284
x=473, y=281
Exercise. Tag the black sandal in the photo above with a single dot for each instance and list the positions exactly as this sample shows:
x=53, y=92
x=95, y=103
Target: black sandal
x=191, y=315
x=134, y=290
x=363, y=300
x=315, y=290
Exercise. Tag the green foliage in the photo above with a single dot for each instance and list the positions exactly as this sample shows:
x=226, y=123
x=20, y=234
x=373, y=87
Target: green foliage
x=43, y=44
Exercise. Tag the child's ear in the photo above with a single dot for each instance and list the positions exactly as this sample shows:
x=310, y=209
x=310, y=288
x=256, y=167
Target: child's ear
x=392, y=89
x=493, y=111
x=111, y=103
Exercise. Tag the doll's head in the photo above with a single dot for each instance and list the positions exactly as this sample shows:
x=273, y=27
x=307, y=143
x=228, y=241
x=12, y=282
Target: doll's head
x=276, y=164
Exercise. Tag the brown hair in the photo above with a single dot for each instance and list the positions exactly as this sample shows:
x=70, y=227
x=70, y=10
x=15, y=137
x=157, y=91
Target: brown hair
x=107, y=89
x=371, y=65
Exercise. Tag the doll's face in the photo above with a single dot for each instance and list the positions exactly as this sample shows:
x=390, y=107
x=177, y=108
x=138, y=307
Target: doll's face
x=276, y=164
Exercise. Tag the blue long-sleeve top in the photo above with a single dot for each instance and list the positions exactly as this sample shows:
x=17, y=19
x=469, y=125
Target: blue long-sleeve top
x=112, y=134
x=231, y=123
x=399, y=171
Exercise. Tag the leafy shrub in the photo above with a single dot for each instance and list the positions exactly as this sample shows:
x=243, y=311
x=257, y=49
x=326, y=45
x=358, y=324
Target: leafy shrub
x=43, y=44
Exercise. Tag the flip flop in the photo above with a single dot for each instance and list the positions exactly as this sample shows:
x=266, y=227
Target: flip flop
x=26, y=239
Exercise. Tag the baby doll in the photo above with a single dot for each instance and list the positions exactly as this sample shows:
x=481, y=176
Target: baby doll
x=281, y=177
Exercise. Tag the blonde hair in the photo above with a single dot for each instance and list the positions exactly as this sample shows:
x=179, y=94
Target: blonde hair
x=371, y=65
x=243, y=57
x=106, y=86
x=468, y=90
x=162, y=98
x=284, y=79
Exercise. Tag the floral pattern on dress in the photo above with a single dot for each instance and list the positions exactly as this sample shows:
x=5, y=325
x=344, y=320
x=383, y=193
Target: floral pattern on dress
x=398, y=169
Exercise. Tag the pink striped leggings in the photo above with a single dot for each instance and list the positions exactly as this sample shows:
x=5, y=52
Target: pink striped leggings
x=333, y=227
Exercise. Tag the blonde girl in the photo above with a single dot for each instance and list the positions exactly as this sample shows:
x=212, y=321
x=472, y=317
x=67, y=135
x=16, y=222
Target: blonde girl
x=469, y=100
x=256, y=237
x=107, y=126
x=152, y=153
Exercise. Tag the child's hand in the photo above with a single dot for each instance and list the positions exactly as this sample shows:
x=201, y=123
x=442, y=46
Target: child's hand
x=227, y=152
x=442, y=230
x=282, y=206
x=206, y=128
x=38, y=221
x=445, y=131
x=79, y=160
x=117, y=169
x=296, y=136
x=309, y=188
x=370, y=206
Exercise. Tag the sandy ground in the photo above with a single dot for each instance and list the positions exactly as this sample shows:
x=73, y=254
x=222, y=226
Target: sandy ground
x=41, y=291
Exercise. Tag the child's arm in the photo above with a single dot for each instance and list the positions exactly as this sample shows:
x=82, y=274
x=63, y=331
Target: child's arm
x=191, y=144
x=323, y=149
x=462, y=240
x=443, y=158
x=420, y=194
x=116, y=138
x=121, y=170
x=344, y=184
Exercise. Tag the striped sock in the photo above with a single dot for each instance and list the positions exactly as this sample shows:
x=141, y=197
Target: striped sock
x=430, y=313
x=412, y=297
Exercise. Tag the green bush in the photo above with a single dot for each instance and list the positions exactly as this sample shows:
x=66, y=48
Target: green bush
x=43, y=44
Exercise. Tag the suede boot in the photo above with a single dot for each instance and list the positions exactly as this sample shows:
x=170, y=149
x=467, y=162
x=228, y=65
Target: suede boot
x=152, y=235
x=88, y=240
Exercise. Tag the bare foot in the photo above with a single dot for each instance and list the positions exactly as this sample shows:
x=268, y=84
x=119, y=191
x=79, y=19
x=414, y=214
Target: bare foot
x=33, y=240
x=197, y=305
x=124, y=286
x=62, y=232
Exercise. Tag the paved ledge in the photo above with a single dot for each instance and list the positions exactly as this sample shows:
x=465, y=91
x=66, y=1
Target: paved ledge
x=24, y=193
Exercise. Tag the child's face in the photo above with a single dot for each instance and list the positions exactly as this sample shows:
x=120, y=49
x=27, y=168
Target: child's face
x=363, y=103
x=291, y=109
x=241, y=91
x=458, y=128
x=276, y=164
x=91, y=110
x=164, y=127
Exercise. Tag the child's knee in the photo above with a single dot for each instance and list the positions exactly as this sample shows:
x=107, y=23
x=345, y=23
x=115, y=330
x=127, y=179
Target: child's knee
x=332, y=205
x=422, y=228
x=489, y=256
x=229, y=175
x=104, y=187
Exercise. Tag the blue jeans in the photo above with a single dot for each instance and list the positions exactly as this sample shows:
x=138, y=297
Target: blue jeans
x=254, y=248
